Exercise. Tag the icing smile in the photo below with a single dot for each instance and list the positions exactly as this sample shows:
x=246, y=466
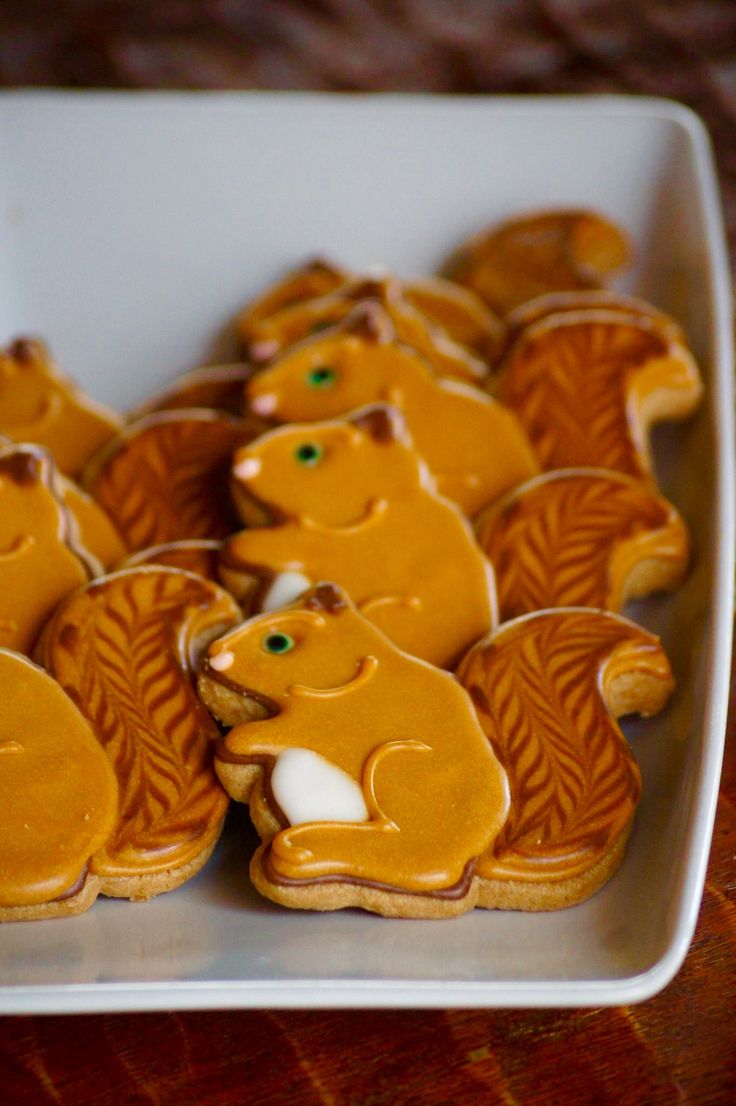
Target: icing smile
x=367, y=669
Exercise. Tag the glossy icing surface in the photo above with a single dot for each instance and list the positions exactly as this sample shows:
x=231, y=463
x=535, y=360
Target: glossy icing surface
x=39, y=561
x=460, y=312
x=587, y=386
x=542, y=686
x=317, y=277
x=58, y=793
x=299, y=320
x=405, y=731
x=474, y=446
x=362, y=511
x=198, y=555
x=125, y=649
x=95, y=529
x=37, y=404
x=572, y=537
x=541, y=252
x=165, y=478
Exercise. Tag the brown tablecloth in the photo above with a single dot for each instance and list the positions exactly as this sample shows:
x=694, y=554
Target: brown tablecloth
x=677, y=1047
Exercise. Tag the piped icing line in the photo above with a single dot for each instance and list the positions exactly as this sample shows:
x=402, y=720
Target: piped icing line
x=49, y=410
x=374, y=511
x=367, y=668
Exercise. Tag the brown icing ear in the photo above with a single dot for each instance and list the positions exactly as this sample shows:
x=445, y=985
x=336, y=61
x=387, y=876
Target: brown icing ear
x=385, y=290
x=25, y=350
x=22, y=466
x=325, y=597
x=385, y=424
x=370, y=321
x=324, y=265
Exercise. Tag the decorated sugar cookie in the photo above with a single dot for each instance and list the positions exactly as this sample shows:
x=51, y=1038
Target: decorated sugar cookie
x=545, y=251
x=38, y=404
x=166, y=477
x=219, y=387
x=41, y=559
x=125, y=649
x=317, y=277
x=369, y=778
x=592, y=299
x=582, y=537
x=460, y=312
x=588, y=386
x=548, y=688
x=198, y=555
x=94, y=528
x=473, y=445
x=58, y=796
x=356, y=505
x=296, y=321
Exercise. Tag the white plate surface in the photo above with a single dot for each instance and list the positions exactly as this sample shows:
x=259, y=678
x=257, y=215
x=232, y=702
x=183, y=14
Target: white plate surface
x=132, y=226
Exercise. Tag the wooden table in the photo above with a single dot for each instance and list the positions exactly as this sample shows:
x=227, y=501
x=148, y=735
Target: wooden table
x=679, y=1046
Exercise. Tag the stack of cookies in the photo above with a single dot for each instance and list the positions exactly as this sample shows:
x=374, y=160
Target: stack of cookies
x=368, y=580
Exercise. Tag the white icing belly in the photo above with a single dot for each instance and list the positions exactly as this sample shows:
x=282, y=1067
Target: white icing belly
x=310, y=788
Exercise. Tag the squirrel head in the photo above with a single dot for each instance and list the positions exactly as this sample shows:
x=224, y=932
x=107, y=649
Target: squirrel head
x=315, y=647
x=332, y=473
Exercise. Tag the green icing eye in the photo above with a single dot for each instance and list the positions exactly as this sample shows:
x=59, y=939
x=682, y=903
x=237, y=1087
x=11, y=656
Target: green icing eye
x=278, y=643
x=308, y=453
x=321, y=324
x=321, y=377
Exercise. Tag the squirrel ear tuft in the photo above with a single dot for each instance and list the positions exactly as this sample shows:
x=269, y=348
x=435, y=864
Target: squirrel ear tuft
x=326, y=597
x=23, y=465
x=370, y=321
x=385, y=424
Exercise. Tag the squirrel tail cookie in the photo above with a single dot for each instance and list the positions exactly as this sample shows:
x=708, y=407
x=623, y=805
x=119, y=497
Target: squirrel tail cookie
x=547, y=688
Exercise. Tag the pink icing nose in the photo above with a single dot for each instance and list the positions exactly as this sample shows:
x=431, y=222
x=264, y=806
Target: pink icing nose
x=263, y=350
x=247, y=468
x=264, y=405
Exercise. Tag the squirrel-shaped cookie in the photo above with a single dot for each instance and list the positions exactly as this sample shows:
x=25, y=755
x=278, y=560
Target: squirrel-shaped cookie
x=58, y=796
x=125, y=649
x=369, y=777
x=474, y=446
x=582, y=537
x=38, y=404
x=537, y=252
x=357, y=505
x=548, y=687
x=41, y=558
x=297, y=321
x=588, y=385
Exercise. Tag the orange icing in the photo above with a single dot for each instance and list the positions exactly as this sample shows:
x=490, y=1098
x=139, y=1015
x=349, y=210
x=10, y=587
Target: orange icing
x=165, y=478
x=543, y=687
x=573, y=536
x=95, y=530
x=473, y=445
x=125, y=649
x=39, y=561
x=367, y=516
x=38, y=404
x=291, y=324
x=58, y=793
x=546, y=251
x=587, y=386
x=406, y=732
x=315, y=278
x=460, y=312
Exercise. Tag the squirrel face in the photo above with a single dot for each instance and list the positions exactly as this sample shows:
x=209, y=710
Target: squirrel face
x=331, y=374
x=332, y=473
x=316, y=647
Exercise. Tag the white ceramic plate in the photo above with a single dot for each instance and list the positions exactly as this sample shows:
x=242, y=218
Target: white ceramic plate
x=131, y=228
